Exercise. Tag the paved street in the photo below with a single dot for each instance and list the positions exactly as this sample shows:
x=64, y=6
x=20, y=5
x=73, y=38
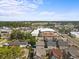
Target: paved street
x=72, y=41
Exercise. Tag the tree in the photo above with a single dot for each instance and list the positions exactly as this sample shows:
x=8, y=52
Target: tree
x=21, y=36
x=0, y=36
x=31, y=39
x=17, y=34
x=67, y=28
x=9, y=52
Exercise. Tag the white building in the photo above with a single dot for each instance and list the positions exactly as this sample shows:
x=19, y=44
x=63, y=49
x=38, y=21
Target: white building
x=36, y=31
x=75, y=34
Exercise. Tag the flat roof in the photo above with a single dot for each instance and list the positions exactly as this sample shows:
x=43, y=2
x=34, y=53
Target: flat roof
x=75, y=33
x=49, y=34
x=36, y=31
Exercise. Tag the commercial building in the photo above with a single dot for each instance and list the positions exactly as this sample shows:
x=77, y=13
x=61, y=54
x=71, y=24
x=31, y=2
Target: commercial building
x=46, y=33
x=38, y=30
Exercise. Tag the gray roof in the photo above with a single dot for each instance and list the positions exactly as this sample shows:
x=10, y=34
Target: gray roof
x=53, y=57
x=62, y=43
x=37, y=57
x=18, y=43
x=74, y=52
x=51, y=43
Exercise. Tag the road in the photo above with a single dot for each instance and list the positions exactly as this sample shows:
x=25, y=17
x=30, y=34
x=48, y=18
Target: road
x=73, y=41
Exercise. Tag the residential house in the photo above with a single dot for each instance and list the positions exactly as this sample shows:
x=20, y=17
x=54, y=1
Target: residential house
x=72, y=53
x=50, y=44
x=5, y=32
x=40, y=50
x=74, y=34
x=53, y=57
x=62, y=44
x=26, y=29
x=23, y=29
x=17, y=43
x=55, y=54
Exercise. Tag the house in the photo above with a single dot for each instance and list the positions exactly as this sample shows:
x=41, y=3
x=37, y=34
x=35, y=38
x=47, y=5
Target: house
x=57, y=25
x=72, y=53
x=62, y=44
x=53, y=57
x=17, y=43
x=23, y=29
x=26, y=29
x=36, y=57
x=40, y=50
x=74, y=34
x=50, y=44
x=55, y=53
x=5, y=32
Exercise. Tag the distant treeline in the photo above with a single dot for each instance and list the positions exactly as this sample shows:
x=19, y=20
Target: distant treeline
x=29, y=23
x=15, y=24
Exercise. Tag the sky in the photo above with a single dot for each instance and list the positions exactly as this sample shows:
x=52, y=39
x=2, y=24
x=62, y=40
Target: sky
x=39, y=10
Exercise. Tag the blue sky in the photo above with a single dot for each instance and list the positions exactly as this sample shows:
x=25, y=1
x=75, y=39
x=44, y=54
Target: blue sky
x=39, y=10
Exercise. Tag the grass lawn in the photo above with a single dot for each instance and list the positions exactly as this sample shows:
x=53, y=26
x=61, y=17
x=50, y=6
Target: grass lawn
x=24, y=53
x=1, y=40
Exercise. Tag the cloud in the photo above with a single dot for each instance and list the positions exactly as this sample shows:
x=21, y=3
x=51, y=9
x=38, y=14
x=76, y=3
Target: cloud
x=44, y=16
x=17, y=7
x=38, y=1
x=54, y=16
x=29, y=10
x=66, y=16
x=47, y=13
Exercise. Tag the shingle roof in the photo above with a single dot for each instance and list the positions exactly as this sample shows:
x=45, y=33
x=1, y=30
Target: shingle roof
x=53, y=57
x=51, y=43
x=74, y=51
x=18, y=43
x=62, y=43
x=56, y=52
